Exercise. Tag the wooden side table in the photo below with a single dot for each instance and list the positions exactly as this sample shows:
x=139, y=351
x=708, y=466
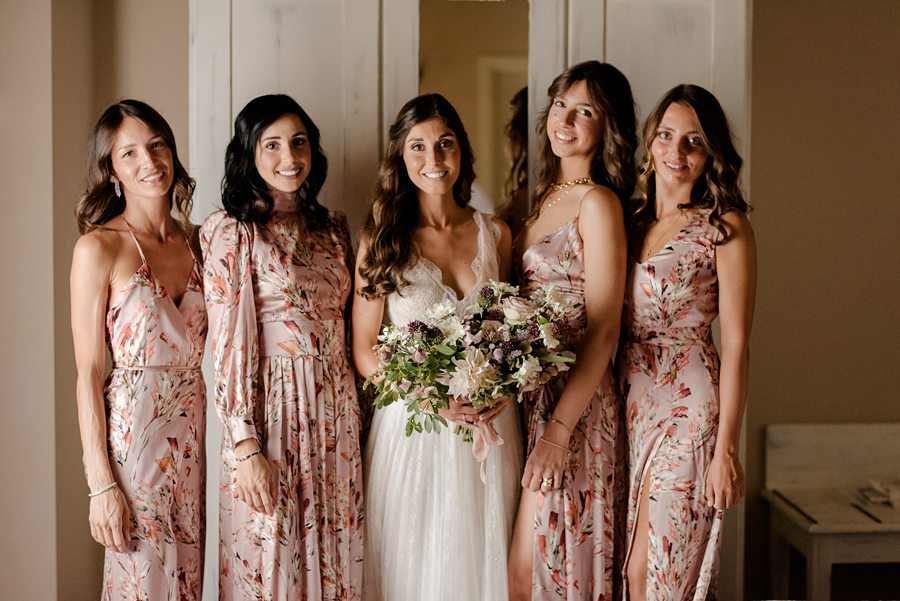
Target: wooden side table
x=813, y=476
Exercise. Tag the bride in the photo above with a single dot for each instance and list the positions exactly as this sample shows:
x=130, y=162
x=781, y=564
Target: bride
x=434, y=529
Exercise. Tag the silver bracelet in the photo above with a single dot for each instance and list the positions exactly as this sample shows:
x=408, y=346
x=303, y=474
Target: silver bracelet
x=248, y=456
x=97, y=493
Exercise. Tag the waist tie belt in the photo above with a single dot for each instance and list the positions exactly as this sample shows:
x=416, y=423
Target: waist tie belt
x=674, y=337
x=157, y=367
x=302, y=337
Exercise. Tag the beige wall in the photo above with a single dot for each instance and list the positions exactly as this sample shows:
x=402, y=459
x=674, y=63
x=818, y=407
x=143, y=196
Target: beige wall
x=63, y=61
x=27, y=505
x=824, y=149
x=79, y=558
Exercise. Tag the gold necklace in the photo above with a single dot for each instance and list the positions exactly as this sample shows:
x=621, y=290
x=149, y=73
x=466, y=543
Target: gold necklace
x=650, y=252
x=550, y=203
x=570, y=183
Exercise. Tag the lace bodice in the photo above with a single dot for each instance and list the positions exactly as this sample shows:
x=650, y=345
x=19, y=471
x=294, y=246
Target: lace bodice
x=426, y=287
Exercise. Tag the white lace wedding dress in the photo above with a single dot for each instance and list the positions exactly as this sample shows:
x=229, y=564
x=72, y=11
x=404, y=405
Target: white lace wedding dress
x=434, y=530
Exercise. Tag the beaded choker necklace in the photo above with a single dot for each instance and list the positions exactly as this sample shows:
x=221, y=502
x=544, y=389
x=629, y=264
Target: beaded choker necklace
x=570, y=183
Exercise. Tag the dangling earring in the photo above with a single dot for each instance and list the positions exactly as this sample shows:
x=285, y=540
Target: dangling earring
x=115, y=183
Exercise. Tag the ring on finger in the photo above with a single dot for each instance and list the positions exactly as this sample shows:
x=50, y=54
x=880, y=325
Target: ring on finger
x=547, y=482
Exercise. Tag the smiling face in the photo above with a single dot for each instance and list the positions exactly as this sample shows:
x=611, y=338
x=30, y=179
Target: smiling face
x=141, y=160
x=574, y=123
x=432, y=157
x=678, y=149
x=283, y=157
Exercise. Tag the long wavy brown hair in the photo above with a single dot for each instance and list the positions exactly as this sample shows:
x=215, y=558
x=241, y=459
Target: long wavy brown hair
x=99, y=203
x=394, y=215
x=719, y=187
x=517, y=136
x=612, y=164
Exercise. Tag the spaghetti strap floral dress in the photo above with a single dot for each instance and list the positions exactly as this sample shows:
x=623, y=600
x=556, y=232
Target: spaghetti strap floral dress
x=156, y=420
x=276, y=295
x=669, y=370
x=576, y=527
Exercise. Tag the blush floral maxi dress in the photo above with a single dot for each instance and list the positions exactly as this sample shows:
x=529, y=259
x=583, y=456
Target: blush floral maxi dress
x=156, y=420
x=576, y=528
x=276, y=296
x=670, y=379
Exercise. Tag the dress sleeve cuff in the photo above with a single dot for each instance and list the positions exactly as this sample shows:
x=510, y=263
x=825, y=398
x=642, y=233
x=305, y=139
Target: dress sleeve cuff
x=242, y=428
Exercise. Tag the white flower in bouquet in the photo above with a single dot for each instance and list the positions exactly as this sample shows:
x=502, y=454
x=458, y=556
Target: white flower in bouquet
x=452, y=329
x=473, y=372
x=552, y=299
x=528, y=373
x=550, y=341
x=390, y=335
x=440, y=312
x=504, y=288
x=516, y=310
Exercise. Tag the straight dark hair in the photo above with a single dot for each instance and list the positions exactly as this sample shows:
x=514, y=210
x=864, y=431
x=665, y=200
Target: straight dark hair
x=394, y=215
x=718, y=188
x=245, y=196
x=99, y=203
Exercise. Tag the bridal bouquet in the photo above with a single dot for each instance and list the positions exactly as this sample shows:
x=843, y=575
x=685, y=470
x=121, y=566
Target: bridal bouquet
x=503, y=346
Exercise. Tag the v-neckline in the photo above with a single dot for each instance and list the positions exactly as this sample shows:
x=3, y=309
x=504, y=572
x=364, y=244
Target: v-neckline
x=195, y=266
x=438, y=274
x=670, y=241
x=144, y=269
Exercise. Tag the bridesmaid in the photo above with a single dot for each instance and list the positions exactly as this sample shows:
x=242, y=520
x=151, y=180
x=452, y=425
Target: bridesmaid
x=694, y=257
x=435, y=530
x=566, y=535
x=278, y=277
x=137, y=287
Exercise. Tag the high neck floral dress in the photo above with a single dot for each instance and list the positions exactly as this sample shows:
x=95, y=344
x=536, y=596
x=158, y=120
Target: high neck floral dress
x=669, y=370
x=156, y=420
x=276, y=295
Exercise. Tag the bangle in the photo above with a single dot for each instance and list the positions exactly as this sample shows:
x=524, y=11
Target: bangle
x=97, y=493
x=556, y=420
x=248, y=456
x=553, y=444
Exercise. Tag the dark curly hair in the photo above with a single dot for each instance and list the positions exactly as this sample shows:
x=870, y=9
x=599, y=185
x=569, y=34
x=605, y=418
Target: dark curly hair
x=394, y=215
x=719, y=187
x=99, y=203
x=612, y=164
x=245, y=196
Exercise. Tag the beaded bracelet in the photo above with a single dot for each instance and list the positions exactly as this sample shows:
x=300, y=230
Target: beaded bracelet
x=97, y=493
x=248, y=456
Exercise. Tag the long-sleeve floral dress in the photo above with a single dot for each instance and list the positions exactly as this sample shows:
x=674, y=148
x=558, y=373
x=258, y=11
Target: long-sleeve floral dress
x=156, y=419
x=276, y=297
x=576, y=527
x=669, y=369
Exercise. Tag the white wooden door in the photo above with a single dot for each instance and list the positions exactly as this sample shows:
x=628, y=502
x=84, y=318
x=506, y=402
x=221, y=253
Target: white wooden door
x=323, y=53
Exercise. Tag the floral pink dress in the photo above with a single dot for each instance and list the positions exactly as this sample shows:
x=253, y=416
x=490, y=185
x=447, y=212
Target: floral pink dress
x=576, y=527
x=156, y=420
x=670, y=379
x=276, y=296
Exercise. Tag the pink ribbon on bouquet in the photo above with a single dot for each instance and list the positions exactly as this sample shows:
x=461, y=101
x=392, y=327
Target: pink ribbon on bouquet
x=484, y=436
